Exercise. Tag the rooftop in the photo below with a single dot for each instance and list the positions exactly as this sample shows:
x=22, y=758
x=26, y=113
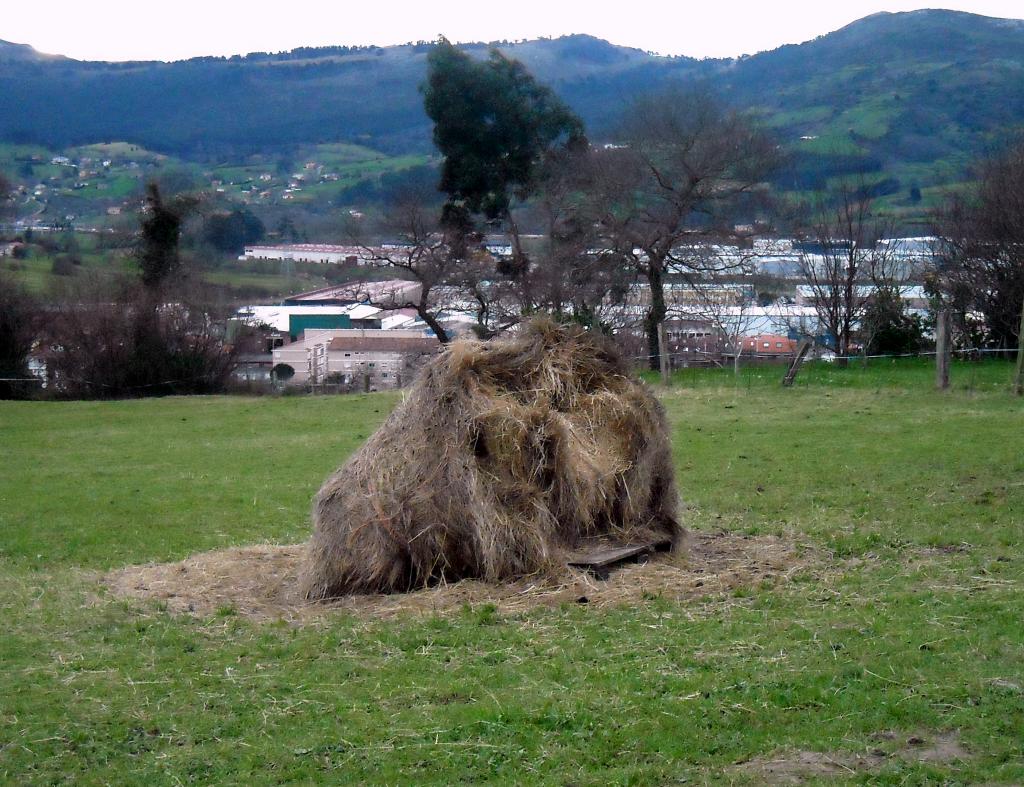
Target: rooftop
x=359, y=292
x=383, y=343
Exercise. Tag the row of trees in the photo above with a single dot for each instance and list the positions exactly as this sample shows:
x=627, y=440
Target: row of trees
x=685, y=173
x=979, y=273
x=513, y=153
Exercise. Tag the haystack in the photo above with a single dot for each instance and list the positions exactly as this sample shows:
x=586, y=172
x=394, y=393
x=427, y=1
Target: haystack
x=504, y=455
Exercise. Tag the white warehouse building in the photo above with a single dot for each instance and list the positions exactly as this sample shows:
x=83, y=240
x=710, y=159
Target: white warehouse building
x=310, y=252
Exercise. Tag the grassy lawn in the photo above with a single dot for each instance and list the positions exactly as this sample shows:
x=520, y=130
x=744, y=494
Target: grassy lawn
x=36, y=273
x=267, y=284
x=914, y=499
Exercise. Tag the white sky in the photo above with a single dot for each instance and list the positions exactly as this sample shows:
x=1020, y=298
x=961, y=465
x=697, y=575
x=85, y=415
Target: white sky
x=176, y=29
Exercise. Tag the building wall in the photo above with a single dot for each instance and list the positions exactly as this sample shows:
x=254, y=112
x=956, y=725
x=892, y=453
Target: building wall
x=299, y=323
x=309, y=355
x=325, y=255
x=386, y=370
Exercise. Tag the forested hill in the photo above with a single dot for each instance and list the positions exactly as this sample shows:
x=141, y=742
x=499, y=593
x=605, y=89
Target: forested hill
x=913, y=93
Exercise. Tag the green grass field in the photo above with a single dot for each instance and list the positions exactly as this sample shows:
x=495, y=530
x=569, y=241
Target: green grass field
x=913, y=501
x=36, y=275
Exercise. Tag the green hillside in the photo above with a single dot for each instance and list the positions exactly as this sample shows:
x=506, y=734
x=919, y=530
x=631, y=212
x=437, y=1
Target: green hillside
x=97, y=185
x=912, y=97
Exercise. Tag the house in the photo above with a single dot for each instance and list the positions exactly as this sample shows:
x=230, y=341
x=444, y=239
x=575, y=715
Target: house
x=768, y=345
x=379, y=360
x=682, y=294
x=372, y=358
x=398, y=318
x=294, y=319
x=693, y=342
x=253, y=367
x=914, y=297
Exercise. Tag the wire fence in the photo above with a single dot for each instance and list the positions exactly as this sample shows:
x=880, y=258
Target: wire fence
x=718, y=359
x=975, y=368
x=972, y=369
x=42, y=382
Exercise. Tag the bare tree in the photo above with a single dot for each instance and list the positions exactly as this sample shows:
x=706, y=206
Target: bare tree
x=721, y=300
x=107, y=343
x=844, y=263
x=447, y=269
x=684, y=167
x=144, y=337
x=980, y=254
x=569, y=274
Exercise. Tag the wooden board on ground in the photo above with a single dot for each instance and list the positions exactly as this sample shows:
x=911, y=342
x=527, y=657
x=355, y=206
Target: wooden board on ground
x=601, y=558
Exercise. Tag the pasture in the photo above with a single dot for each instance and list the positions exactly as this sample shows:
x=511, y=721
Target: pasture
x=884, y=644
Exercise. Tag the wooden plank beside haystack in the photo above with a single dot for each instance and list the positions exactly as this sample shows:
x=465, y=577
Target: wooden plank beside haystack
x=602, y=559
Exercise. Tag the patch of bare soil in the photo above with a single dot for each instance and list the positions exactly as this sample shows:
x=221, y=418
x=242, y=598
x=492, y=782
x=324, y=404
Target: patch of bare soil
x=261, y=582
x=802, y=766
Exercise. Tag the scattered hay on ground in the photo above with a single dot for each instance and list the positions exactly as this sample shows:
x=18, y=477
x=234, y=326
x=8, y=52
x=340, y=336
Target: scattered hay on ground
x=796, y=767
x=262, y=582
x=504, y=456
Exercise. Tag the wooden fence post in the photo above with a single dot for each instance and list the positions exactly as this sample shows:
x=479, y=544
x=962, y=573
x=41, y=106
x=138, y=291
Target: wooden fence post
x=794, y=365
x=663, y=353
x=942, y=326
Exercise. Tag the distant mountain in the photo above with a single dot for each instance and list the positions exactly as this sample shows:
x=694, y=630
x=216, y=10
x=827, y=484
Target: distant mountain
x=23, y=53
x=912, y=94
x=895, y=91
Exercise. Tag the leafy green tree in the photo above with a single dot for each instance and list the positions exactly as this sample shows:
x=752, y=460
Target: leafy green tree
x=6, y=187
x=177, y=180
x=160, y=233
x=230, y=232
x=493, y=124
x=64, y=265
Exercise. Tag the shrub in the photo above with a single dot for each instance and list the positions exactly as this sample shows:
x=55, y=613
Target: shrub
x=282, y=372
x=890, y=330
x=18, y=324
x=64, y=265
x=132, y=345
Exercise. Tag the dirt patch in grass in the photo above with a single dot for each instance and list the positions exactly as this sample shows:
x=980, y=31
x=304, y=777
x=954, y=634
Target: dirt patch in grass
x=261, y=582
x=801, y=766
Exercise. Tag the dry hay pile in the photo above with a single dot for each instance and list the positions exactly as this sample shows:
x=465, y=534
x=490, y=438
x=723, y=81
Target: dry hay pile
x=261, y=582
x=504, y=455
